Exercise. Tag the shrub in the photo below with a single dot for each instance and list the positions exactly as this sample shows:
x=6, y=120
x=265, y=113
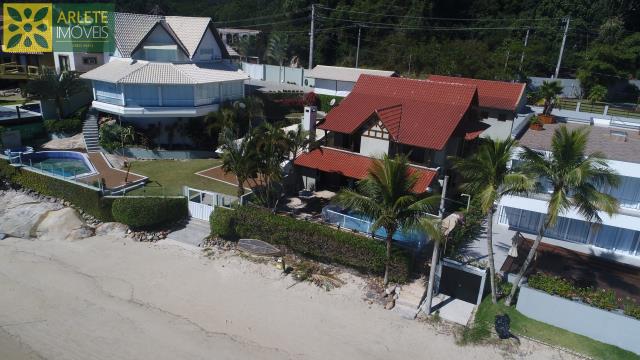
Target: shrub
x=601, y=298
x=65, y=126
x=319, y=242
x=632, y=309
x=113, y=136
x=310, y=99
x=466, y=232
x=222, y=223
x=87, y=199
x=325, y=102
x=149, y=212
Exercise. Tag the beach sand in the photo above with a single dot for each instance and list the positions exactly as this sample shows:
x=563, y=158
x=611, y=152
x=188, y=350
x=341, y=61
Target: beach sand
x=108, y=297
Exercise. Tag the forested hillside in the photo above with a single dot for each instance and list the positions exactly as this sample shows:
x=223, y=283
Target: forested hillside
x=481, y=38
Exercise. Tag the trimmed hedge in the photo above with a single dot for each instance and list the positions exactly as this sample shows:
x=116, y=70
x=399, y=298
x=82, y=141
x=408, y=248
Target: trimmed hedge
x=85, y=198
x=149, y=212
x=222, y=223
x=601, y=298
x=313, y=240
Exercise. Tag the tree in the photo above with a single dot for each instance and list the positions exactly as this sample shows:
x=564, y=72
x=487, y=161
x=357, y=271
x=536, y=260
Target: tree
x=597, y=94
x=271, y=146
x=487, y=177
x=386, y=196
x=56, y=87
x=574, y=179
x=253, y=108
x=277, y=48
x=549, y=91
x=238, y=157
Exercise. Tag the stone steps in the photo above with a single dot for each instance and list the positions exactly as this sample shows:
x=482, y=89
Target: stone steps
x=409, y=299
x=90, y=132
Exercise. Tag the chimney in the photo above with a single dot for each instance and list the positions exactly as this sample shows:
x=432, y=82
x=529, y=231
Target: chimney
x=309, y=119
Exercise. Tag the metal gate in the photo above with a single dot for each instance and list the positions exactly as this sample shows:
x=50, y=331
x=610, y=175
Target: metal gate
x=202, y=202
x=460, y=281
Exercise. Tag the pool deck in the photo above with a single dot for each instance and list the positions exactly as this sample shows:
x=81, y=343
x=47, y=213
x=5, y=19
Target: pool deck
x=112, y=178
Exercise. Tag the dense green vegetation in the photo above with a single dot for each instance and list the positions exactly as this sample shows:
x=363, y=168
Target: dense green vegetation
x=420, y=37
x=602, y=298
x=521, y=325
x=310, y=239
x=149, y=212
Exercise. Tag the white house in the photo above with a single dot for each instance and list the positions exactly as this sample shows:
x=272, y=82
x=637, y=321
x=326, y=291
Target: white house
x=618, y=237
x=337, y=80
x=165, y=69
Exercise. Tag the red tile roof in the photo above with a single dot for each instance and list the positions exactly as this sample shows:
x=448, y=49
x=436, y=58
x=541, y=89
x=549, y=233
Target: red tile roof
x=491, y=94
x=415, y=112
x=354, y=165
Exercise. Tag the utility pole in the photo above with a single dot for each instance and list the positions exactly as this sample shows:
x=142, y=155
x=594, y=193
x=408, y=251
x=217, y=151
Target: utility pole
x=564, y=40
x=526, y=39
x=358, y=48
x=311, y=34
x=426, y=306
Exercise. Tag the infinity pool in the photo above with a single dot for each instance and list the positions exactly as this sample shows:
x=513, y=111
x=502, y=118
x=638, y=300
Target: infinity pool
x=62, y=163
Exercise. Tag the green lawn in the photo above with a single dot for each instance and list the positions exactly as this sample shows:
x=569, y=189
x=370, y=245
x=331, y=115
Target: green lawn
x=166, y=177
x=522, y=325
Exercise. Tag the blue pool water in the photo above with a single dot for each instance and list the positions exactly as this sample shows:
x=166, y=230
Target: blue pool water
x=62, y=163
x=354, y=221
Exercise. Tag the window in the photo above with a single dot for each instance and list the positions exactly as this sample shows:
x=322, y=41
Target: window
x=63, y=60
x=502, y=117
x=90, y=60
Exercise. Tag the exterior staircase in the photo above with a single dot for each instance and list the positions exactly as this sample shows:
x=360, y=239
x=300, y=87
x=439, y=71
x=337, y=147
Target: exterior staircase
x=193, y=233
x=90, y=132
x=410, y=298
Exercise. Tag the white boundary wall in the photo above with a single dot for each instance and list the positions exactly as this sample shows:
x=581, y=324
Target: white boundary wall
x=605, y=326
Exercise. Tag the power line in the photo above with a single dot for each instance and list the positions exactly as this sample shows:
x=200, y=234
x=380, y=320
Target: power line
x=261, y=17
x=436, y=18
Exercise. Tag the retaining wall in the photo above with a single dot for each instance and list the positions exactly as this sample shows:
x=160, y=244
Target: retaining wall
x=605, y=326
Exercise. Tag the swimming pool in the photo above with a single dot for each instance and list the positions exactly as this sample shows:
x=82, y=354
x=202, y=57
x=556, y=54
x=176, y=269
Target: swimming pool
x=354, y=221
x=69, y=164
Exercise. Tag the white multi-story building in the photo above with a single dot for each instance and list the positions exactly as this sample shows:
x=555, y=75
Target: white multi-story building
x=618, y=236
x=165, y=69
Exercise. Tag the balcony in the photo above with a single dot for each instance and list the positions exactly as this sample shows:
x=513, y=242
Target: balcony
x=18, y=72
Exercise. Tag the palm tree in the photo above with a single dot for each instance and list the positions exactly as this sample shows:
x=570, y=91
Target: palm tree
x=437, y=234
x=597, y=94
x=277, y=48
x=487, y=177
x=238, y=157
x=549, y=91
x=56, y=87
x=386, y=196
x=272, y=147
x=574, y=179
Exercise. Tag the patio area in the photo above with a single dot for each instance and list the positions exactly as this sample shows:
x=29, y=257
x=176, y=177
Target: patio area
x=585, y=270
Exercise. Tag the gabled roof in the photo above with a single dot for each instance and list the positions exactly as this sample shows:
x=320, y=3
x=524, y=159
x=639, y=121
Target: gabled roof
x=354, y=165
x=416, y=112
x=491, y=94
x=188, y=31
x=144, y=72
x=343, y=73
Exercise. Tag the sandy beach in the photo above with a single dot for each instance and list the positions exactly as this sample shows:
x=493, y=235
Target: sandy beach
x=107, y=297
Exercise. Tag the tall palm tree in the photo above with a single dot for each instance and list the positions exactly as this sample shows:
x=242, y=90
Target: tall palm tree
x=487, y=177
x=277, y=48
x=433, y=228
x=271, y=146
x=238, y=157
x=386, y=196
x=549, y=91
x=56, y=87
x=574, y=179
